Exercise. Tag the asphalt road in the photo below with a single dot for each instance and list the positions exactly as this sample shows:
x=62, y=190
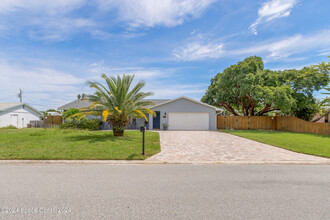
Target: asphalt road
x=164, y=192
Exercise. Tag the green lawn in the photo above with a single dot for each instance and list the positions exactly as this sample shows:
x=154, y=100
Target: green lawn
x=53, y=144
x=313, y=144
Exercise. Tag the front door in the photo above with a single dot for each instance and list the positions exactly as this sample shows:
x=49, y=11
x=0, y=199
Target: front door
x=14, y=120
x=156, y=121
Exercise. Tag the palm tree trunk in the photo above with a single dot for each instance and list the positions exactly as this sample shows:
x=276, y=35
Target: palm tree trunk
x=118, y=132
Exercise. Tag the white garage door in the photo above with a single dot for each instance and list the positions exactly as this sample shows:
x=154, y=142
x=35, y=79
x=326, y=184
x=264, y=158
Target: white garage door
x=188, y=121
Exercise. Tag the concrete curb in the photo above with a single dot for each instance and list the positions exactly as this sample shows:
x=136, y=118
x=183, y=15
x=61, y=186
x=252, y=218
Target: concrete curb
x=148, y=162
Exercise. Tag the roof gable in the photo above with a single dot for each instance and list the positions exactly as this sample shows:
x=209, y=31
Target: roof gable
x=8, y=106
x=82, y=103
x=189, y=99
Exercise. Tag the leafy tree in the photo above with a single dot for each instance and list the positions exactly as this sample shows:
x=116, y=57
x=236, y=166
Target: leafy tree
x=246, y=88
x=326, y=101
x=81, y=96
x=117, y=102
x=71, y=114
x=324, y=105
x=44, y=114
x=304, y=83
x=47, y=113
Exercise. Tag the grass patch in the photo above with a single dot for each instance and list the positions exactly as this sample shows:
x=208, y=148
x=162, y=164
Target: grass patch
x=70, y=144
x=314, y=144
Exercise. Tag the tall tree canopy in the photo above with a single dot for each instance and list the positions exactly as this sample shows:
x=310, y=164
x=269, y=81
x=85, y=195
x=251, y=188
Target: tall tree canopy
x=248, y=89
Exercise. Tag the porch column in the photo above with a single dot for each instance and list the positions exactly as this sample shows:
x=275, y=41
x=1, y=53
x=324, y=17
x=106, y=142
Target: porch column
x=150, y=122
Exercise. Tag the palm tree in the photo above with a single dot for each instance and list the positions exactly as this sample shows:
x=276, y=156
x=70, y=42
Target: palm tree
x=324, y=105
x=117, y=103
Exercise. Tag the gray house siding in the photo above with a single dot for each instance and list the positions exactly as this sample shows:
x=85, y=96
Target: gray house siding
x=183, y=105
x=135, y=123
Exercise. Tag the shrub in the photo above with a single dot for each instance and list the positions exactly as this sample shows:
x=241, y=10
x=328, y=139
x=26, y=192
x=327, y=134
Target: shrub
x=9, y=127
x=90, y=124
x=68, y=114
x=69, y=124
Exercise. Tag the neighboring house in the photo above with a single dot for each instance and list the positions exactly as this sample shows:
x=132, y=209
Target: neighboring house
x=323, y=119
x=177, y=114
x=17, y=114
x=78, y=104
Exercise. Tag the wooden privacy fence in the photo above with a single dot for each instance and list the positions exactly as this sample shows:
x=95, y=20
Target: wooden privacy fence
x=52, y=121
x=281, y=123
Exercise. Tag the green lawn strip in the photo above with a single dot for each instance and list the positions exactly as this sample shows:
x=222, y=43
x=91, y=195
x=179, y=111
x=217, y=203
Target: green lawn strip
x=69, y=144
x=313, y=144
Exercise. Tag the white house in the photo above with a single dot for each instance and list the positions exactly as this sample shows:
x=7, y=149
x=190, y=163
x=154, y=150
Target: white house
x=17, y=114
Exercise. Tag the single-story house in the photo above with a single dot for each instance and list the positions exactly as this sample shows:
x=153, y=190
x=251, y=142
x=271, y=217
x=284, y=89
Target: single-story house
x=17, y=114
x=181, y=113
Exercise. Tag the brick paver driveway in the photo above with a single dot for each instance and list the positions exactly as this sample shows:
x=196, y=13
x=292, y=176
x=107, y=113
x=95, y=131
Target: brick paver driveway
x=188, y=146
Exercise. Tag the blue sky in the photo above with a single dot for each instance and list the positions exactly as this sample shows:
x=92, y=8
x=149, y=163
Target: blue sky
x=50, y=49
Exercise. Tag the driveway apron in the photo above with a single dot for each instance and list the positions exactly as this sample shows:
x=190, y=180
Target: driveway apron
x=189, y=146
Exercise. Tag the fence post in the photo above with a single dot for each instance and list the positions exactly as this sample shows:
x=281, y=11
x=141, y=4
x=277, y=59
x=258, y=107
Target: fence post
x=275, y=121
x=224, y=122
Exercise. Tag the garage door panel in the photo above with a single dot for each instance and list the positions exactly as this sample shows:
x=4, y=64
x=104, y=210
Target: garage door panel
x=188, y=121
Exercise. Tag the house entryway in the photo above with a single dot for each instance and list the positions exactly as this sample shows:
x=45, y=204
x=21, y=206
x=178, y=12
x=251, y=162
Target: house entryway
x=156, y=121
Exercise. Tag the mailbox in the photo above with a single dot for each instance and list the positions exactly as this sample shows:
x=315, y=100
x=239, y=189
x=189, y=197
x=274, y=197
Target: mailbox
x=142, y=129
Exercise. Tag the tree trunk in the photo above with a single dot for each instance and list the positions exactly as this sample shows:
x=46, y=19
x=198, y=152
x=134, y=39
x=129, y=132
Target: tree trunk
x=229, y=108
x=264, y=110
x=252, y=109
x=118, y=132
x=119, y=124
x=243, y=107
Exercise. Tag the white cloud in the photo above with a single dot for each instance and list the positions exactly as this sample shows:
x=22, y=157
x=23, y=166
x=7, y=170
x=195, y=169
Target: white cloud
x=146, y=13
x=57, y=20
x=272, y=49
x=324, y=52
x=199, y=51
x=177, y=90
x=272, y=10
x=53, y=7
x=99, y=68
x=162, y=81
x=44, y=20
x=42, y=86
x=281, y=49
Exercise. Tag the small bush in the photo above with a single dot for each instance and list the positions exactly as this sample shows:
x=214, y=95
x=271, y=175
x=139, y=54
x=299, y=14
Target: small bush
x=9, y=127
x=90, y=124
x=68, y=114
x=69, y=124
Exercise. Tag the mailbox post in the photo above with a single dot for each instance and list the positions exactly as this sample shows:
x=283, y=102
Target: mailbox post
x=142, y=129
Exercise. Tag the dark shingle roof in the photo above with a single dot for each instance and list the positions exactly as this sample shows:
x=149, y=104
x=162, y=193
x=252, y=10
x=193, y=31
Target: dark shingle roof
x=79, y=103
x=82, y=103
x=157, y=101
